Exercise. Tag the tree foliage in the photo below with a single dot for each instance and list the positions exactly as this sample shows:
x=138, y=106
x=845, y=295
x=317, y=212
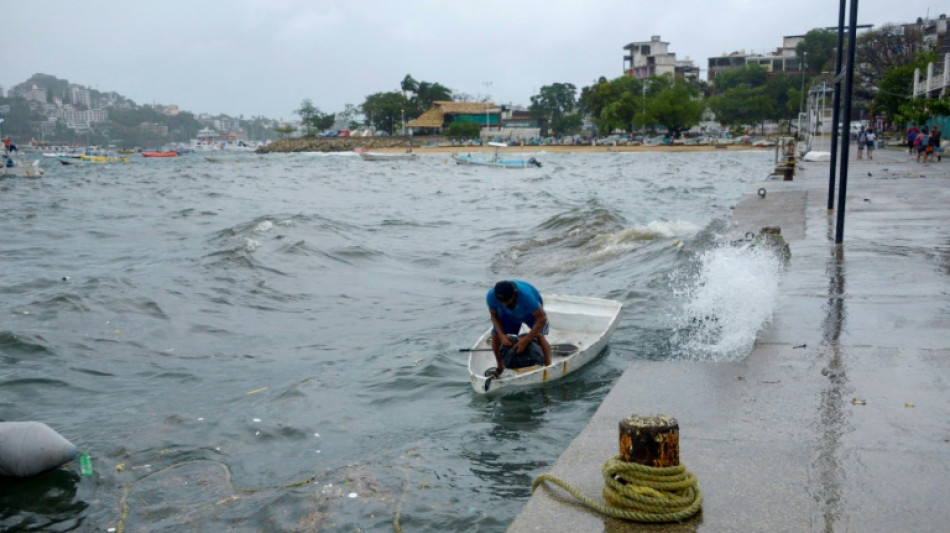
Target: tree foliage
x=895, y=86
x=312, y=118
x=460, y=130
x=383, y=111
x=674, y=104
x=749, y=76
x=613, y=105
x=819, y=45
x=557, y=103
x=880, y=50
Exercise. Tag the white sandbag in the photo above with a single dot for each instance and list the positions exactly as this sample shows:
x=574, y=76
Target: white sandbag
x=28, y=448
x=817, y=156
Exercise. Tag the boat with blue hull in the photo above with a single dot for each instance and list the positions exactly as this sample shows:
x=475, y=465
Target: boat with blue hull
x=469, y=159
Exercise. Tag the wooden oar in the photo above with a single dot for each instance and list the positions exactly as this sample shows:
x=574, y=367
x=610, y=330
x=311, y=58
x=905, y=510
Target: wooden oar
x=555, y=348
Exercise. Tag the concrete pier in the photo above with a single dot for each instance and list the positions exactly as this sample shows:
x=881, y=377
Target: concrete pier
x=839, y=419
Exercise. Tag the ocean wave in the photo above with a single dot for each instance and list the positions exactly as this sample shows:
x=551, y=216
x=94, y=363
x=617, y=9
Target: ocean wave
x=585, y=237
x=14, y=348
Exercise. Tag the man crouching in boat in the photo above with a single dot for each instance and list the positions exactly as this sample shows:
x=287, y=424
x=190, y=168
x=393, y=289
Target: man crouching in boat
x=512, y=303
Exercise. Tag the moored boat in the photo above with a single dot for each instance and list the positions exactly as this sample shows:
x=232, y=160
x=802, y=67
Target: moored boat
x=469, y=159
x=383, y=156
x=159, y=154
x=580, y=328
x=13, y=167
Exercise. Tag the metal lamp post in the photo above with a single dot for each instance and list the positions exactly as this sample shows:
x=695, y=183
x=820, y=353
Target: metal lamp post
x=801, y=102
x=487, y=94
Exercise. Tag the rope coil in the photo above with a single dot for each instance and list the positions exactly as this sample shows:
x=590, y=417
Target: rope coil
x=640, y=493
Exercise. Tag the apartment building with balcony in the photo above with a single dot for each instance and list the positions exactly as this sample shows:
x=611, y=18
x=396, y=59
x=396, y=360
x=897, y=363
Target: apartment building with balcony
x=653, y=58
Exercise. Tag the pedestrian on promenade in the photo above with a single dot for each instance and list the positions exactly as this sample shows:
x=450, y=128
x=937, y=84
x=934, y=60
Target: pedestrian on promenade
x=911, y=137
x=935, y=144
x=870, y=141
x=862, y=141
x=922, y=141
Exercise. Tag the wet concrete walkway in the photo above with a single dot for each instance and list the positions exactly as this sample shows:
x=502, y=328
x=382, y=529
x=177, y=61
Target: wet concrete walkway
x=839, y=419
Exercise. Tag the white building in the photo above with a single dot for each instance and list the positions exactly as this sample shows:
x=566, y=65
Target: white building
x=79, y=95
x=653, y=58
x=36, y=95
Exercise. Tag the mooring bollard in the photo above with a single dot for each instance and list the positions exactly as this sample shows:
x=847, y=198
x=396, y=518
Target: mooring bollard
x=650, y=440
x=645, y=482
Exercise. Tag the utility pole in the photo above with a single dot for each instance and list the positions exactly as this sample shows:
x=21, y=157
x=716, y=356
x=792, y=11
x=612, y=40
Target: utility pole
x=801, y=102
x=487, y=96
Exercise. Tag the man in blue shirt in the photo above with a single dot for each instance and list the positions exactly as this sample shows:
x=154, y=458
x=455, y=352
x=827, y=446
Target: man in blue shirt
x=512, y=303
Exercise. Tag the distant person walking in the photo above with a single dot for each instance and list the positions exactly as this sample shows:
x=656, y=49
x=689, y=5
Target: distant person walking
x=935, y=144
x=862, y=141
x=870, y=138
x=922, y=142
x=911, y=138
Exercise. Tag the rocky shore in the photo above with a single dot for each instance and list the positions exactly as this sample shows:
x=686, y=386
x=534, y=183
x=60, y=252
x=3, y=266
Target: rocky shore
x=436, y=144
x=343, y=144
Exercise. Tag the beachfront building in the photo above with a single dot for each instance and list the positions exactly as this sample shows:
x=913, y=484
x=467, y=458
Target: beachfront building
x=653, y=58
x=444, y=113
x=781, y=60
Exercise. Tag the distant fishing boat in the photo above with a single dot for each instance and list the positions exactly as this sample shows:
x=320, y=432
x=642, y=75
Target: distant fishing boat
x=496, y=160
x=382, y=156
x=10, y=166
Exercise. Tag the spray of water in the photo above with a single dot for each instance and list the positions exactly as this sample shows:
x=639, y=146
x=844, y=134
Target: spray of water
x=727, y=299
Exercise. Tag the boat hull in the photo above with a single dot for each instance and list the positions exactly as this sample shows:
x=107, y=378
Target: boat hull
x=497, y=163
x=378, y=156
x=586, y=323
x=159, y=154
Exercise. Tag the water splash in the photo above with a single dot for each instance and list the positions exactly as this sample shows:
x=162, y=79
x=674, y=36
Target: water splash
x=727, y=300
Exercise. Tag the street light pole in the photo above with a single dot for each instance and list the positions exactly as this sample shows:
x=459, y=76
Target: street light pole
x=487, y=95
x=801, y=101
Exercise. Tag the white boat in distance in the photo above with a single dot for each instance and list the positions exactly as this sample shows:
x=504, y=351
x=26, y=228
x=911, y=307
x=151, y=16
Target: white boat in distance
x=580, y=328
x=19, y=168
x=383, y=156
x=495, y=161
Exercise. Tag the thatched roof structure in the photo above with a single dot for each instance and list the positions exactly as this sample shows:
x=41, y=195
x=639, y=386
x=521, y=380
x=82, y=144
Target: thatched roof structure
x=435, y=117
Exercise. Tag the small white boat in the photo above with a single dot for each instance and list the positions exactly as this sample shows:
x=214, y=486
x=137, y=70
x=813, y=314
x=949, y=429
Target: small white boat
x=579, y=330
x=385, y=156
x=495, y=161
x=19, y=168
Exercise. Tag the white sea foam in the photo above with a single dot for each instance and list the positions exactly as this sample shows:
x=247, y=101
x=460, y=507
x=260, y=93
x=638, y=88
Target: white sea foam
x=733, y=296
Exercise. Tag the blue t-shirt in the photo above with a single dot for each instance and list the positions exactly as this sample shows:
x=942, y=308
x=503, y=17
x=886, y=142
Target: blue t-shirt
x=529, y=299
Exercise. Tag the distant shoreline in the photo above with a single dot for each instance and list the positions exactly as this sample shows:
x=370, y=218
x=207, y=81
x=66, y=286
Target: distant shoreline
x=430, y=145
x=570, y=149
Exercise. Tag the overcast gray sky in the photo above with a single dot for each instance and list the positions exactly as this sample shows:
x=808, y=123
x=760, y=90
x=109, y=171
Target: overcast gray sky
x=263, y=57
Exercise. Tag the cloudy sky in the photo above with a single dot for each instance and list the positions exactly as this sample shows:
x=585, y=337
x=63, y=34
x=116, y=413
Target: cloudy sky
x=263, y=57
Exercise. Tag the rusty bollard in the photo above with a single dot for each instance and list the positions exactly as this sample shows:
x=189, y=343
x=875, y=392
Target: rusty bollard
x=650, y=440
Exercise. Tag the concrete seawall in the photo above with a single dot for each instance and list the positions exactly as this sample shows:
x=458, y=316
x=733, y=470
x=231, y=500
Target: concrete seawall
x=839, y=418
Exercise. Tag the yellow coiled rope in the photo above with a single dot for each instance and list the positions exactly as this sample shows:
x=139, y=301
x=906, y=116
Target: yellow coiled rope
x=640, y=493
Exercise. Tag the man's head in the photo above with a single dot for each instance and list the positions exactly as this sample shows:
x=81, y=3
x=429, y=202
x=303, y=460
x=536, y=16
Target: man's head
x=506, y=292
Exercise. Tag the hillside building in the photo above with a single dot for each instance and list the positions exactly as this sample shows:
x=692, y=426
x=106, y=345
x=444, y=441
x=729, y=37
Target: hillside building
x=781, y=60
x=653, y=58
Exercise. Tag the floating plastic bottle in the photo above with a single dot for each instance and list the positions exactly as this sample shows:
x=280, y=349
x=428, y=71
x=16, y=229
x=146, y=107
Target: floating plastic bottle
x=85, y=465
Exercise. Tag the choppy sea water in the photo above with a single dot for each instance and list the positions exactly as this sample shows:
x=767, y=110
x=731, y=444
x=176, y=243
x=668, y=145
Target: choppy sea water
x=272, y=343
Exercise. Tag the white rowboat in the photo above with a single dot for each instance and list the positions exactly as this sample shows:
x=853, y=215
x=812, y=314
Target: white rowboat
x=384, y=156
x=581, y=322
